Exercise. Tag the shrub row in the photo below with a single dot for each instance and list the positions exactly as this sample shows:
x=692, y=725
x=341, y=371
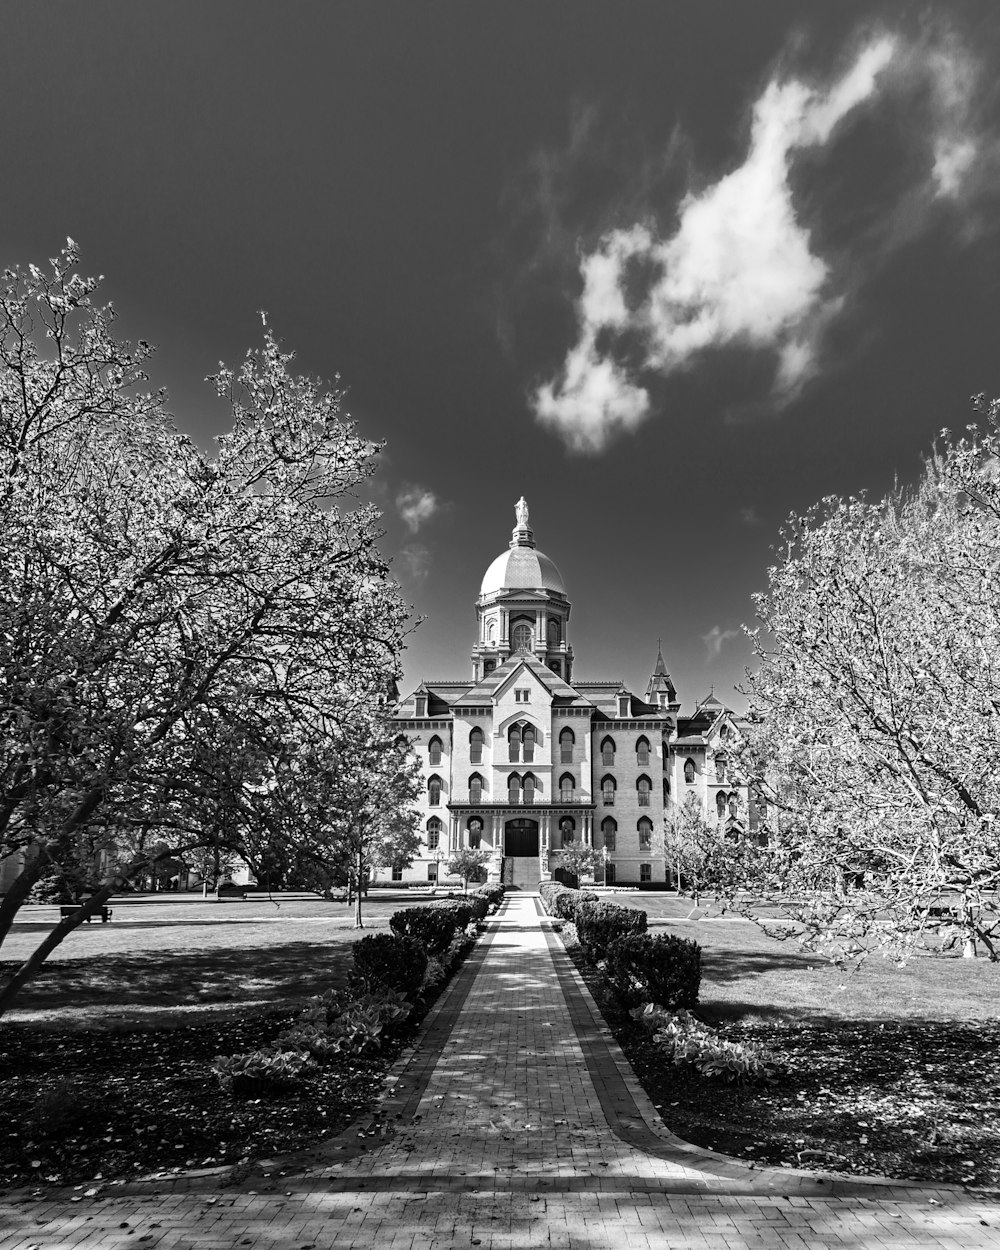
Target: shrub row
x=492, y=893
x=433, y=924
x=664, y=969
x=561, y=901
x=599, y=924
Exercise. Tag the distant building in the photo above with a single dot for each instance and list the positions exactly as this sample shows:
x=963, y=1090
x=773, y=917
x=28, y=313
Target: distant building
x=525, y=756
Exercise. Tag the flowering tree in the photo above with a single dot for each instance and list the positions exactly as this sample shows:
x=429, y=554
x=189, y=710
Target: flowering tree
x=174, y=624
x=578, y=859
x=875, y=742
x=704, y=852
x=467, y=862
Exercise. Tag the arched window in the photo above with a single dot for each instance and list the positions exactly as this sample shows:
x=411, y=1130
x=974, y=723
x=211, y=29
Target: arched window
x=475, y=788
x=645, y=827
x=567, y=788
x=642, y=752
x=608, y=751
x=689, y=771
x=475, y=833
x=528, y=742
x=720, y=768
x=608, y=791
x=734, y=806
x=666, y=791
x=434, y=791
x=609, y=832
x=553, y=633
x=720, y=803
x=513, y=788
x=643, y=787
x=566, y=741
x=491, y=631
x=521, y=637
x=434, y=752
x=476, y=746
x=514, y=743
x=433, y=833
x=567, y=830
x=530, y=785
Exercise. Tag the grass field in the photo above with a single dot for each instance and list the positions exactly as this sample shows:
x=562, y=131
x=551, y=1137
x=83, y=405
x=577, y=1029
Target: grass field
x=166, y=962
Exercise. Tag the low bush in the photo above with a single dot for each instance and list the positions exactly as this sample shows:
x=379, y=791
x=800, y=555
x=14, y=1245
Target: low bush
x=686, y=1039
x=665, y=970
x=389, y=961
x=433, y=925
x=262, y=1071
x=599, y=924
x=478, y=906
x=493, y=894
x=548, y=892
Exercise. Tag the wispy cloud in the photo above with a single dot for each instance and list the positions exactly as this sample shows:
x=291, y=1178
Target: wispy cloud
x=749, y=516
x=716, y=639
x=415, y=560
x=416, y=506
x=741, y=269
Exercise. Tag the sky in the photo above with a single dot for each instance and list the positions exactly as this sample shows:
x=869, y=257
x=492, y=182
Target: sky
x=672, y=271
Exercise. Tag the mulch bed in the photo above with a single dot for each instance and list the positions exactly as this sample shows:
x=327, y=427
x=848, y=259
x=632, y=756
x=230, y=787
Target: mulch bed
x=912, y=1101
x=85, y=1106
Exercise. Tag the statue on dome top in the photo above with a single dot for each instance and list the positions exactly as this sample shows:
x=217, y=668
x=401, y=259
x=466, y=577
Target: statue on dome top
x=521, y=511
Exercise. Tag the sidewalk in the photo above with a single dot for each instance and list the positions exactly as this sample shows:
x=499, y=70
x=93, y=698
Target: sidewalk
x=515, y=1123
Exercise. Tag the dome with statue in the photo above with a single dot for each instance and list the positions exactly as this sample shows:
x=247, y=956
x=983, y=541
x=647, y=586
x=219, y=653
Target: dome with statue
x=522, y=566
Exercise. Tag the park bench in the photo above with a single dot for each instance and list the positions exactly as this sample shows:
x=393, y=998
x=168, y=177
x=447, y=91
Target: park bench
x=69, y=908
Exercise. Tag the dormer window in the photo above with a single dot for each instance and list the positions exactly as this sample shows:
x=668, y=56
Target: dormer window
x=623, y=704
x=420, y=701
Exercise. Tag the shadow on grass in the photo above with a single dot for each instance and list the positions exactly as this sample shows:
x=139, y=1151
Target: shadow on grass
x=284, y=971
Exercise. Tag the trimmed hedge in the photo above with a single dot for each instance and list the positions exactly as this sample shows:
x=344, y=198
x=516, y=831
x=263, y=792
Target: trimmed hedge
x=492, y=893
x=478, y=906
x=664, y=969
x=433, y=925
x=599, y=924
x=389, y=961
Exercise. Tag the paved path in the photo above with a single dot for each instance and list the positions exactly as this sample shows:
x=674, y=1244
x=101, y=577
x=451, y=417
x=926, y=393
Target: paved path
x=515, y=1123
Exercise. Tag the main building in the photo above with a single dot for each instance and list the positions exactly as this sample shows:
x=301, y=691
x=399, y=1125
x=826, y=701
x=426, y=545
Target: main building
x=524, y=757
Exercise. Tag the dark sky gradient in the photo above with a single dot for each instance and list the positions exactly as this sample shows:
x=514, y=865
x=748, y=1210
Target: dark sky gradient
x=407, y=187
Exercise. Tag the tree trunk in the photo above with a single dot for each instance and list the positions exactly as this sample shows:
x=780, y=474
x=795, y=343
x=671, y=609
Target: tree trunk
x=35, y=960
x=358, y=922
x=17, y=895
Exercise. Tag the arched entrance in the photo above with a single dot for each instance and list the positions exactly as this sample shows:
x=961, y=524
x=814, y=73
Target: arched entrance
x=521, y=838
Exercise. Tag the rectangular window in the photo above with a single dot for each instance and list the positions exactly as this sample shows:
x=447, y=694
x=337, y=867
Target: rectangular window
x=609, y=874
x=643, y=798
x=433, y=839
x=645, y=839
x=566, y=794
x=520, y=696
x=645, y=872
x=397, y=874
x=642, y=755
x=432, y=872
x=566, y=754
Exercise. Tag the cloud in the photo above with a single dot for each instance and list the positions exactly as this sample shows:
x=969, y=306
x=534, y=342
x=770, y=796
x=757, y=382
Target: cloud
x=749, y=516
x=415, y=559
x=740, y=268
x=716, y=639
x=416, y=506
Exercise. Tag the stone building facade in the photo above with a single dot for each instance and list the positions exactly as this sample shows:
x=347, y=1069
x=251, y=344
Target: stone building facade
x=525, y=757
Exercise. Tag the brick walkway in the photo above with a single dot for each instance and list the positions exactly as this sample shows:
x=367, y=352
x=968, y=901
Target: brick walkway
x=515, y=1123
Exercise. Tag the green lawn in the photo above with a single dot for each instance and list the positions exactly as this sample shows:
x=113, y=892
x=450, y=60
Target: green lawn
x=747, y=974
x=167, y=961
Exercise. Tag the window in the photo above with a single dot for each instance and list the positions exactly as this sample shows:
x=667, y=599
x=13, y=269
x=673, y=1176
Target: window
x=645, y=872
x=475, y=834
x=720, y=768
x=720, y=803
x=432, y=872
x=553, y=633
x=491, y=631
x=689, y=771
x=734, y=806
x=643, y=787
x=609, y=832
x=476, y=746
x=488, y=667
x=645, y=827
x=567, y=831
x=528, y=742
x=642, y=752
x=434, y=752
x=475, y=788
x=608, y=791
x=397, y=874
x=567, y=788
x=529, y=788
x=513, y=788
x=624, y=701
x=666, y=791
x=521, y=637
x=566, y=741
x=514, y=743
x=433, y=833
x=608, y=751
x=434, y=791
x=522, y=696
x=609, y=874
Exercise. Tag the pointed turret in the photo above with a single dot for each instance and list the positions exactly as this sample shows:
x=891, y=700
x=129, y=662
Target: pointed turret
x=661, y=689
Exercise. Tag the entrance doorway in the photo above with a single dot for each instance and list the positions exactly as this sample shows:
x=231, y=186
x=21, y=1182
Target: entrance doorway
x=521, y=838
